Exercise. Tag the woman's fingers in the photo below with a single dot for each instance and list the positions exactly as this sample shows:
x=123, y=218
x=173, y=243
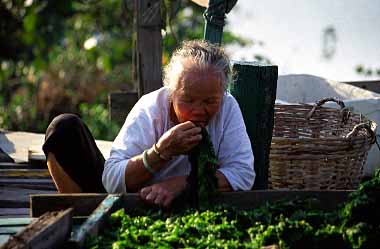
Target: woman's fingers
x=151, y=196
x=186, y=125
x=157, y=195
x=145, y=191
x=180, y=139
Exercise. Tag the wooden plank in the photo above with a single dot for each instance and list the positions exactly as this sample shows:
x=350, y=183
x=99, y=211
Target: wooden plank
x=329, y=199
x=252, y=199
x=96, y=220
x=14, y=203
x=26, y=148
x=148, y=45
x=255, y=90
x=120, y=104
x=4, y=238
x=371, y=85
x=25, y=173
x=42, y=187
x=11, y=229
x=15, y=221
x=86, y=203
x=16, y=143
x=14, y=212
x=19, y=197
x=51, y=230
x=82, y=204
x=15, y=166
x=26, y=181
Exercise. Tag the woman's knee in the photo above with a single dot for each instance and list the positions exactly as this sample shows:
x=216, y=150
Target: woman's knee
x=66, y=119
x=63, y=122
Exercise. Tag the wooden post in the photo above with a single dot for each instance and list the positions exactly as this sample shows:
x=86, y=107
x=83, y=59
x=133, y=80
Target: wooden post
x=215, y=16
x=255, y=90
x=120, y=104
x=148, y=45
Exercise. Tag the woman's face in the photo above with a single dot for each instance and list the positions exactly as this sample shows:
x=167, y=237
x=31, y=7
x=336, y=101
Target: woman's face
x=198, y=97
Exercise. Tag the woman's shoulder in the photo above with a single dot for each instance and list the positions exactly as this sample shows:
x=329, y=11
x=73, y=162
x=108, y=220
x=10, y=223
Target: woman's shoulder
x=150, y=107
x=229, y=102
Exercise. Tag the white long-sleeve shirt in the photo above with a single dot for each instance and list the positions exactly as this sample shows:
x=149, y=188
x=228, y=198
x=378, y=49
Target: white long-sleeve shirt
x=149, y=119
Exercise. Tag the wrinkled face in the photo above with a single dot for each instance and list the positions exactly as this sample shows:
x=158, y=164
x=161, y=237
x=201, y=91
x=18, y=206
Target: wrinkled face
x=198, y=96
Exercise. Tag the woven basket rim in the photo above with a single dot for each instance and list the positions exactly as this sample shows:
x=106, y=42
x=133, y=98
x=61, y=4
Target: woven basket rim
x=318, y=138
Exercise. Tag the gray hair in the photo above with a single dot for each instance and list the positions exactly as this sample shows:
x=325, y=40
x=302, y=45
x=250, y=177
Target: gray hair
x=201, y=54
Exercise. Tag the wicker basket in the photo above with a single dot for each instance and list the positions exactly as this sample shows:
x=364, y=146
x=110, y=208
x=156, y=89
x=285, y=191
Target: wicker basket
x=318, y=148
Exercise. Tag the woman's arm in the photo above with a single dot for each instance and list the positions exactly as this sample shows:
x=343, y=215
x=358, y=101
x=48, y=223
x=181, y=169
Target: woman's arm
x=136, y=174
x=235, y=155
x=176, y=141
x=223, y=184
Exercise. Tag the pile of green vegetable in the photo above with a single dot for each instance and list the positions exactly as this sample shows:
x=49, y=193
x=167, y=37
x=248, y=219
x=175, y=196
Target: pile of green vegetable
x=289, y=224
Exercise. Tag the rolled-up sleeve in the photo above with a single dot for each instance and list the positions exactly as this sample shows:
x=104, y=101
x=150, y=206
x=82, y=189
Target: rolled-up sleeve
x=236, y=156
x=134, y=137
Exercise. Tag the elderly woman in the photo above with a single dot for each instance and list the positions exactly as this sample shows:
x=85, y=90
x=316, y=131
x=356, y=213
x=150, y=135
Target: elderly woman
x=149, y=154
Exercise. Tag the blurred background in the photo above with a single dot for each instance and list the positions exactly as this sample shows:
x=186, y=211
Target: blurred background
x=337, y=40
x=67, y=56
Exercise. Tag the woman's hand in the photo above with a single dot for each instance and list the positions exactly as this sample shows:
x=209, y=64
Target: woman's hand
x=164, y=192
x=179, y=140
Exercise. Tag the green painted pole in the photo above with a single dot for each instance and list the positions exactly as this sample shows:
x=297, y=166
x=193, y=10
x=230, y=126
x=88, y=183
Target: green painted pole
x=255, y=88
x=215, y=16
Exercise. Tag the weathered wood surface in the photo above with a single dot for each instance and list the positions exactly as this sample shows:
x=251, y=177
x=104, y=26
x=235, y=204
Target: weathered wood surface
x=148, y=45
x=17, y=183
x=12, y=197
x=26, y=148
x=15, y=221
x=14, y=165
x=28, y=183
x=14, y=212
x=371, y=85
x=120, y=104
x=17, y=144
x=29, y=175
x=51, y=230
x=85, y=204
x=11, y=226
x=24, y=173
x=14, y=200
x=255, y=88
x=96, y=220
x=82, y=204
x=215, y=16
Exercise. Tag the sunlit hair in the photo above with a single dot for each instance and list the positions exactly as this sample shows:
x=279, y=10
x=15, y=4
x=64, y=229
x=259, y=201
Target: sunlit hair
x=196, y=56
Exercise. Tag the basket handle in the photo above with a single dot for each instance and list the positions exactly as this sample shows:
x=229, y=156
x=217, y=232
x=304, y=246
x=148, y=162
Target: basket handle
x=367, y=127
x=343, y=109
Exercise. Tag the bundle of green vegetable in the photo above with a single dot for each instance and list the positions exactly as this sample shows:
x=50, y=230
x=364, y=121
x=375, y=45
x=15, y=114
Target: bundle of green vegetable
x=289, y=224
x=202, y=182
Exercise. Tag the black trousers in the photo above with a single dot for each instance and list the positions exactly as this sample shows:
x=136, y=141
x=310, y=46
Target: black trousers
x=74, y=147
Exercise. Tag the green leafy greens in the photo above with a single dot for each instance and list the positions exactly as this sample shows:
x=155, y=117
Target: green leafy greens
x=202, y=182
x=288, y=223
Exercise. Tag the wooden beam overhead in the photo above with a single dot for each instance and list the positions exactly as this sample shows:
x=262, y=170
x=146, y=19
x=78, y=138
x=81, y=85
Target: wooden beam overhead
x=203, y=3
